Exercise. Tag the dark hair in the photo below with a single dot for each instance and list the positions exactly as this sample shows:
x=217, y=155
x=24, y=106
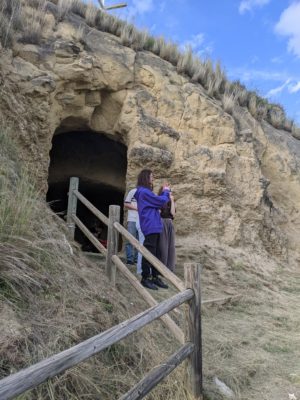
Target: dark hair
x=144, y=179
x=161, y=189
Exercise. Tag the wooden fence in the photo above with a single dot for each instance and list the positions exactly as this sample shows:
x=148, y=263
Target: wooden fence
x=189, y=292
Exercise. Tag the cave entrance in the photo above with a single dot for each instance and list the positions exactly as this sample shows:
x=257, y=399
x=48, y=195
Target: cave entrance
x=100, y=163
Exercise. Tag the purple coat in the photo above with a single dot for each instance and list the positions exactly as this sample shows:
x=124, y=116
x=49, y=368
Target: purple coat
x=149, y=204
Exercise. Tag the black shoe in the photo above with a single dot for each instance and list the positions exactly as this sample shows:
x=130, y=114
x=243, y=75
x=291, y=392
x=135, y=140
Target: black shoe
x=149, y=284
x=158, y=282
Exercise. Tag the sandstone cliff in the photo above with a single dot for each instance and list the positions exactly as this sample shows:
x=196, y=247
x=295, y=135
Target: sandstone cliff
x=236, y=180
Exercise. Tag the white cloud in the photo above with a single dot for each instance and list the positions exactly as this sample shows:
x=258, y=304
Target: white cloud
x=248, y=5
x=140, y=7
x=288, y=25
x=277, y=60
x=276, y=91
x=246, y=75
x=198, y=45
x=195, y=42
x=294, y=88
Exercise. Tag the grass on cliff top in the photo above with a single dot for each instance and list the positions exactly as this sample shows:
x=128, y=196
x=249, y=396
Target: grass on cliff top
x=51, y=299
x=25, y=20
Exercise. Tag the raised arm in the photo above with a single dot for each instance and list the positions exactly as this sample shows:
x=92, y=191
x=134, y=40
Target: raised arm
x=156, y=201
x=173, y=208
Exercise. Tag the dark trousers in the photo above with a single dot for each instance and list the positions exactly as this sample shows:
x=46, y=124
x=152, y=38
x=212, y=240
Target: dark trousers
x=151, y=243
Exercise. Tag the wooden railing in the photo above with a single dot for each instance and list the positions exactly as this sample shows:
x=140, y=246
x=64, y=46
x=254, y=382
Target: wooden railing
x=189, y=292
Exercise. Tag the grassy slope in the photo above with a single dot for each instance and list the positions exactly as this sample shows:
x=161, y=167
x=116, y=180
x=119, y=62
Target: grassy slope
x=253, y=343
x=51, y=299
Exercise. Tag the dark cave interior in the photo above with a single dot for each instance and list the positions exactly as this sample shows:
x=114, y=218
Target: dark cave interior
x=100, y=163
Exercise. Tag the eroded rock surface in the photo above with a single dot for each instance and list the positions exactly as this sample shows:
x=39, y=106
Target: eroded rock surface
x=236, y=182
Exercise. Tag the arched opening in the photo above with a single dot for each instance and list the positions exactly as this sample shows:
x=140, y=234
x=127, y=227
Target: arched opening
x=100, y=163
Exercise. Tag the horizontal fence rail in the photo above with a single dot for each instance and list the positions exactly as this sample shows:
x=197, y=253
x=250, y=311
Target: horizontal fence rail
x=89, y=235
x=90, y=206
x=191, y=340
x=32, y=376
x=166, y=319
x=191, y=349
x=158, y=373
x=150, y=257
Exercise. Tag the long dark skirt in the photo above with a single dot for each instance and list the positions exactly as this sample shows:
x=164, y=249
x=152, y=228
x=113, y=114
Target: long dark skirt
x=167, y=253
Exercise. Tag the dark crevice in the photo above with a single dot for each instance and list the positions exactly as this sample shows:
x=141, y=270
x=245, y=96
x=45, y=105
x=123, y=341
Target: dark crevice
x=100, y=163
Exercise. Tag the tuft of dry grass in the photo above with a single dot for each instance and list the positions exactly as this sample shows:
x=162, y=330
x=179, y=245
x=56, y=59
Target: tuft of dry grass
x=34, y=21
x=91, y=14
x=288, y=124
x=276, y=117
x=186, y=62
x=64, y=7
x=127, y=35
x=252, y=104
x=79, y=8
x=10, y=20
x=229, y=102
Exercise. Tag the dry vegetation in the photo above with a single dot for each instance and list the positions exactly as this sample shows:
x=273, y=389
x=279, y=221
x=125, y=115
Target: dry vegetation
x=28, y=23
x=51, y=300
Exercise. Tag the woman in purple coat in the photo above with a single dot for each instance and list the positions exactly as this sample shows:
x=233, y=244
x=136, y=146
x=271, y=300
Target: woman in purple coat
x=149, y=204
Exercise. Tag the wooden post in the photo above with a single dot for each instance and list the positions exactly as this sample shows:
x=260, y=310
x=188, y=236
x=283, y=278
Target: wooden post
x=72, y=206
x=192, y=272
x=31, y=377
x=112, y=243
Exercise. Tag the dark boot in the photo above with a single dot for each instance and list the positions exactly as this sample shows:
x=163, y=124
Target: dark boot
x=158, y=282
x=149, y=284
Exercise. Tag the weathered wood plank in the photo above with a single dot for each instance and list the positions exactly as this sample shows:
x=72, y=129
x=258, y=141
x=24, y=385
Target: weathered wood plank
x=72, y=205
x=112, y=243
x=90, y=206
x=174, y=328
x=32, y=376
x=192, y=272
x=158, y=374
x=89, y=235
x=151, y=258
x=121, y=5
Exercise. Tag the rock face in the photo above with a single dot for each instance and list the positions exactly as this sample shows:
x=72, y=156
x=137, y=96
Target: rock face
x=236, y=181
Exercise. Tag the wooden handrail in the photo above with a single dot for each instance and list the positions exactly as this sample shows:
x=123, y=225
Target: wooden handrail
x=167, y=320
x=192, y=349
x=146, y=253
x=90, y=206
x=151, y=258
x=89, y=235
x=158, y=373
x=137, y=245
x=32, y=376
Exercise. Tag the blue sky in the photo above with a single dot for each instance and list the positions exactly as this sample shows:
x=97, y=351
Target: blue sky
x=256, y=41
